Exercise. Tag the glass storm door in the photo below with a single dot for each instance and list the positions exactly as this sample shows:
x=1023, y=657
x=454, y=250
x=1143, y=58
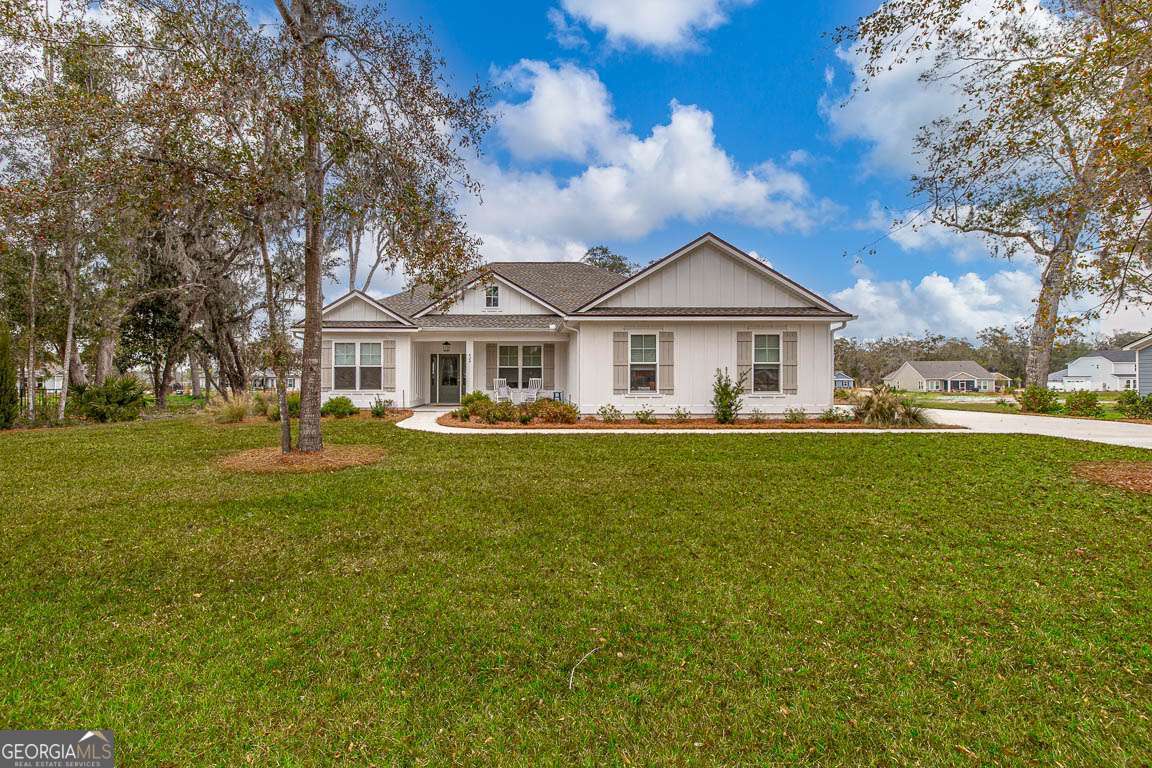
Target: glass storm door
x=446, y=378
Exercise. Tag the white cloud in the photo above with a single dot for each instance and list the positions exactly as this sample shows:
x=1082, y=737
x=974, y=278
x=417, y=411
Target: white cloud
x=888, y=111
x=632, y=185
x=568, y=115
x=912, y=230
x=668, y=24
x=960, y=306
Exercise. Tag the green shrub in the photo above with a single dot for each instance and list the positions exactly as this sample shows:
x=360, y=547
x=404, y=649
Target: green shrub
x=681, y=414
x=1131, y=405
x=293, y=399
x=645, y=415
x=833, y=415
x=884, y=407
x=462, y=414
x=525, y=415
x=757, y=416
x=499, y=412
x=9, y=395
x=119, y=398
x=1083, y=404
x=555, y=412
x=472, y=398
x=842, y=394
x=727, y=397
x=259, y=405
x=609, y=413
x=339, y=407
x=1037, y=399
x=380, y=407
x=795, y=415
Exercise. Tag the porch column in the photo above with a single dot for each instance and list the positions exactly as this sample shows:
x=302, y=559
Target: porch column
x=470, y=366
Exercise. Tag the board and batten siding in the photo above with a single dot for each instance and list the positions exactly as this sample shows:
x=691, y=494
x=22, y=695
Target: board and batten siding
x=512, y=302
x=396, y=362
x=701, y=348
x=356, y=309
x=707, y=278
x=1144, y=370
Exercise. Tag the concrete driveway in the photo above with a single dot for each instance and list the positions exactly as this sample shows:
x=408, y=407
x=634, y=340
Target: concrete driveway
x=1111, y=432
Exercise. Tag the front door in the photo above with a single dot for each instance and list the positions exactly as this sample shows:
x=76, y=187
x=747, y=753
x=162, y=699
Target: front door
x=446, y=382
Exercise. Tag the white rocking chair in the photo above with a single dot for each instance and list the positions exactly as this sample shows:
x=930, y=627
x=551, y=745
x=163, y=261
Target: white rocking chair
x=503, y=392
x=533, y=392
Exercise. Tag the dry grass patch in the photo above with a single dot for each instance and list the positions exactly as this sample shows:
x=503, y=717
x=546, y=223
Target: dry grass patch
x=263, y=461
x=1128, y=475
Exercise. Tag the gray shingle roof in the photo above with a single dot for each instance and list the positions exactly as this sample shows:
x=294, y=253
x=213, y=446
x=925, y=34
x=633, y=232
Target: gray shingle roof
x=563, y=284
x=488, y=321
x=942, y=369
x=1058, y=375
x=713, y=311
x=358, y=324
x=1114, y=355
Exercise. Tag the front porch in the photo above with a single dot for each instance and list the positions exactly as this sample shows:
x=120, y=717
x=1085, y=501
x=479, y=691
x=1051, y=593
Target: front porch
x=445, y=368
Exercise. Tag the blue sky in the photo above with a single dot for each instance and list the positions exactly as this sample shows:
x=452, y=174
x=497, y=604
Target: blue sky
x=639, y=125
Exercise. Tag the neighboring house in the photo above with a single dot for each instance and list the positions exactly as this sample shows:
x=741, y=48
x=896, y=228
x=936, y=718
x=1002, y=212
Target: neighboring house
x=265, y=379
x=841, y=380
x=594, y=338
x=1102, y=371
x=1056, y=380
x=1142, y=348
x=946, y=376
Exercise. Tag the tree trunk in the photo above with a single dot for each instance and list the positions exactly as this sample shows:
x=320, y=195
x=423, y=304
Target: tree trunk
x=30, y=385
x=77, y=375
x=105, y=352
x=194, y=374
x=276, y=339
x=70, y=330
x=310, y=438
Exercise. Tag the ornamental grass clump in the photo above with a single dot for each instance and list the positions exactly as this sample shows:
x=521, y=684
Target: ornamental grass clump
x=119, y=398
x=883, y=407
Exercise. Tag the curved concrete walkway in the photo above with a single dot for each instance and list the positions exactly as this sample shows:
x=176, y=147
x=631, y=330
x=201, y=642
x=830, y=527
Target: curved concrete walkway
x=1092, y=430
x=975, y=422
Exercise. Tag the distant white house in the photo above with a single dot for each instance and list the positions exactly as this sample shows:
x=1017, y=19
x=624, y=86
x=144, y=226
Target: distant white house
x=1105, y=370
x=841, y=380
x=1056, y=380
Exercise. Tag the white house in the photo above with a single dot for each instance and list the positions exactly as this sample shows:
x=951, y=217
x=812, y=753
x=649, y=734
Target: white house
x=591, y=337
x=1101, y=371
x=1056, y=380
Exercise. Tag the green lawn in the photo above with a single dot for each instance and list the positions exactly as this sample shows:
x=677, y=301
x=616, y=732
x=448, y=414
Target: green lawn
x=754, y=600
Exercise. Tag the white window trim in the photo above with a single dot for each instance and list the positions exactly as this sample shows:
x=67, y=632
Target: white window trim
x=522, y=381
x=489, y=307
x=643, y=392
x=779, y=365
x=359, y=356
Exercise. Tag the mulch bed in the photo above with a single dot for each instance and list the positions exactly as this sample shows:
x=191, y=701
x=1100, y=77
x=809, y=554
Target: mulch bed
x=448, y=420
x=263, y=461
x=1129, y=475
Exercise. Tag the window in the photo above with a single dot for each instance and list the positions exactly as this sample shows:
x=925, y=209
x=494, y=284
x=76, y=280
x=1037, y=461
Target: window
x=509, y=365
x=344, y=365
x=519, y=364
x=492, y=296
x=642, y=362
x=532, y=363
x=766, y=362
x=290, y=382
x=370, y=371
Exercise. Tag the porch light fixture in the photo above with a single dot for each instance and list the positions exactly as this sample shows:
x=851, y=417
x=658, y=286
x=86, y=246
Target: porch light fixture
x=447, y=345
